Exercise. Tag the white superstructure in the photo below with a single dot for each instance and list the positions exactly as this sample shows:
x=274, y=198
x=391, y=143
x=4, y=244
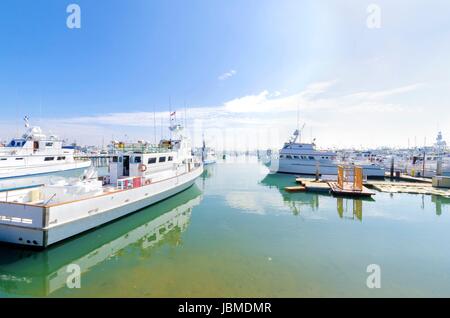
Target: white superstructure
x=303, y=158
x=140, y=175
x=35, y=155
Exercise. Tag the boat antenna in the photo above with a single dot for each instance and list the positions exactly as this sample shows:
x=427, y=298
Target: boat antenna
x=154, y=123
x=26, y=120
x=185, y=124
x=170, y=115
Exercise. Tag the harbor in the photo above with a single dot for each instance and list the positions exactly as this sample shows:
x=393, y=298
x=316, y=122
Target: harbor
x=237, y=232
x=138, y=202
x=222, y=157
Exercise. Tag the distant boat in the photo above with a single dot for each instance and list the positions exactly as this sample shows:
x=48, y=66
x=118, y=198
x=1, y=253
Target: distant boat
x=303, y=158
x=34, y=158
x=208, y=154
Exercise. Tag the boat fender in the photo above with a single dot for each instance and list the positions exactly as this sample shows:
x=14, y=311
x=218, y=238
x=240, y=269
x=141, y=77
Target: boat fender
x=142, y=168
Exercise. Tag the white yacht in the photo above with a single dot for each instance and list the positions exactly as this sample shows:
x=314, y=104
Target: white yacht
x=209, y=156
x=303, y=158
x=139, y=175
x=33, y=158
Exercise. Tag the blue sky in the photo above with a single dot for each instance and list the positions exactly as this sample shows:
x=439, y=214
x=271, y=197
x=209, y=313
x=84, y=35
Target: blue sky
x=242, y=67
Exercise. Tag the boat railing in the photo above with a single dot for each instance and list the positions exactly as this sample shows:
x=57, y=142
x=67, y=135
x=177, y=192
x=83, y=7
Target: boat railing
x=132, y=182
x=141, y=148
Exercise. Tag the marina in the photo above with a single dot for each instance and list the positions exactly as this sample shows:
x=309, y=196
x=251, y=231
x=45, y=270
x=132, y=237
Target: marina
x=237, y=232
x=247, y=153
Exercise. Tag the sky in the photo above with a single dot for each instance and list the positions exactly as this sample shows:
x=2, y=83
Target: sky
x=243, y=73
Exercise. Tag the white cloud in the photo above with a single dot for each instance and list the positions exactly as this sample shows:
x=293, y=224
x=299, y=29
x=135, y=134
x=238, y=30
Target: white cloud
x=261, y=120
x=227, y=75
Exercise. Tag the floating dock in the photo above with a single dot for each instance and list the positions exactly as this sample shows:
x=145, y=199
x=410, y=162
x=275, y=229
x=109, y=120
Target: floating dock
x=309, y=185
x=407, y=178
x=337, y=190
x=408, y=187
x=295, y=189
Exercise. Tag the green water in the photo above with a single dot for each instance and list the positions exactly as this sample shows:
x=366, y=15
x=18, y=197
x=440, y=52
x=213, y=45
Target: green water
x=236, y=233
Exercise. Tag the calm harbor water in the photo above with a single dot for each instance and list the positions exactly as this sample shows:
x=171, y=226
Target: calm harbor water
x=237, y=233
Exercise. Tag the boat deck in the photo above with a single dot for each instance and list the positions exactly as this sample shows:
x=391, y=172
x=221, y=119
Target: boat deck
x=408, y=187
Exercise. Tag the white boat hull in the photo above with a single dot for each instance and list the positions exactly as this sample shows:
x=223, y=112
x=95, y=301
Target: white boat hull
x=328, y=168
x=43, y=226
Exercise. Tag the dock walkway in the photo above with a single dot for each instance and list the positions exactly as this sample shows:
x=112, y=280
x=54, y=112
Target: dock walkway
x=407, y=187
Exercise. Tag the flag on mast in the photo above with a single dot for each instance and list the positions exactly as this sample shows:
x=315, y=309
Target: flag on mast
x=27, y=119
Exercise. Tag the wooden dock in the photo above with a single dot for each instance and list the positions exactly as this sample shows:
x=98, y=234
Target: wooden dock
x=349, y=192
x=408, y=178
x=295, y=189
x=309, y=185
x=407, y=187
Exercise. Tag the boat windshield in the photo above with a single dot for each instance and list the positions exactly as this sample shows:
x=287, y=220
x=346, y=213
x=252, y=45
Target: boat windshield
x=17, y=143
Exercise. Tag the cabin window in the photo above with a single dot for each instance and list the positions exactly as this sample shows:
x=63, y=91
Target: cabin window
x=288, y=157
x=3, y=159
x=296, y=157
x=19, y=158
x=49, y=144
x=115, y=159
x=61, y=158
x=170, y=159
x=137, y=159
x=281, y=156
x=151, y=160
x=49, y=158
x=162, y=159
x=311, y=158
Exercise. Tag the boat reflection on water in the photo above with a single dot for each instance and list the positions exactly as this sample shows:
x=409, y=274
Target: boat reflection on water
x=347, y=208
x=439, y=202
x=41, y=273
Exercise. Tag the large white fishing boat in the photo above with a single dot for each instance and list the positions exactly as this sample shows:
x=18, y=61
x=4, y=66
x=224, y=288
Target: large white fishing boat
x=139, y=175
x=303, y=158
x=34, y=157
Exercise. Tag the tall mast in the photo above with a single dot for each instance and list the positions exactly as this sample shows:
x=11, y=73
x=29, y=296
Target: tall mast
x=154, y=124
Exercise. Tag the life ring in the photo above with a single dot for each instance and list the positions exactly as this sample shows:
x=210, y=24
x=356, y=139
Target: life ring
x=147, y=182
x=142, y=168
